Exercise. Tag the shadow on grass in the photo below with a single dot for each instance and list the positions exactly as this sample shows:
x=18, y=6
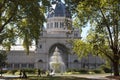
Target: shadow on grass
x=46, y=78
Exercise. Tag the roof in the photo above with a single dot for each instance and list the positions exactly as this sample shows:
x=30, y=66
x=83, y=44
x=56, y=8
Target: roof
x=60, y=10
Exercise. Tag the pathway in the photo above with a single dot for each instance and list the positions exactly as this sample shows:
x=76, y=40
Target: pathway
x=89, y=76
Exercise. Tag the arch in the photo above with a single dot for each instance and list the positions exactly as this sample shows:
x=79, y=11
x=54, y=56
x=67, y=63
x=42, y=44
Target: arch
x=60, y=46
x=40, y=60
x=76, y=61
x=63, y=51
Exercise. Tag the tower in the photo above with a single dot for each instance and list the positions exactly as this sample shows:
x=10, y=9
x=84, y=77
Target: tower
x=59, y=19
x=58, y=32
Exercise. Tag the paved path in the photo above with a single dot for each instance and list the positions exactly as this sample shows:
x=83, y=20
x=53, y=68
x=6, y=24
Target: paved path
x=89, y=76
x=94, y=76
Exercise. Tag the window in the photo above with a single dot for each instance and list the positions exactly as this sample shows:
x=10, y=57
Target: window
x=75, y=61
x=24, y=65
x=40, y=46
x=51, y=24
x=40, y=60
x=9, y=65
x=16, y=65
x=61, y=24
x=76, y=34
x=56, y=24
x=41, y=34
x=31, y=65
x=48, y=25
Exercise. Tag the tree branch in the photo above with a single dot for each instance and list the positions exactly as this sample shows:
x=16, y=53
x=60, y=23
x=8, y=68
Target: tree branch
x=110, y=57
x=10, y=18
x=2, y=27
x=108, y=40
x=108, y=28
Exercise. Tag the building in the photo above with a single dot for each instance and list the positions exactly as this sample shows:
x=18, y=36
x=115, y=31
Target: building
x=58, y=32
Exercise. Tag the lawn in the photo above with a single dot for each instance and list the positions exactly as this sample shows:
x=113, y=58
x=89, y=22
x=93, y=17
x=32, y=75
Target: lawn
x=46, y=78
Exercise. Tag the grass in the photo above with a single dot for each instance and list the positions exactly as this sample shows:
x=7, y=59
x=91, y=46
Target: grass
x=57, y=78
x=47, y=78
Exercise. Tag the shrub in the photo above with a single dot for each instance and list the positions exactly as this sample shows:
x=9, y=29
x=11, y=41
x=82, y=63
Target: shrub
x=30, y=71
x=83, y=71
x=91, y=72
x=13, y=71
x=98, y=71
x=3, y=71
x=106, y=69
x=71, y=70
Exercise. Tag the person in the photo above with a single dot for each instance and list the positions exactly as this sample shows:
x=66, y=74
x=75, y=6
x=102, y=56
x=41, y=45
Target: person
x=48, y=73
x=20, y=73
x=52, y=72
x=24, y=74
x=39, y=72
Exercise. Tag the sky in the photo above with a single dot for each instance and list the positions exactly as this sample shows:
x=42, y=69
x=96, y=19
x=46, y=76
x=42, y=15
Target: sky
x=85, y=31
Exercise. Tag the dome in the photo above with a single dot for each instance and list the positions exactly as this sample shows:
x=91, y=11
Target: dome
x=60, y=10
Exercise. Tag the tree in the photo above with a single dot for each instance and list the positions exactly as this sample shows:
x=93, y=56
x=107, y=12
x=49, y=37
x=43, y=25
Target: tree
x=3, y=58
x=21, y=19
x=104, y=17
x=82, y=48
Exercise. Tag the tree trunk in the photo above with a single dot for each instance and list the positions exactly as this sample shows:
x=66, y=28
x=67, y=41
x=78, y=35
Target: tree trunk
x=1, y=71
x=116, y=65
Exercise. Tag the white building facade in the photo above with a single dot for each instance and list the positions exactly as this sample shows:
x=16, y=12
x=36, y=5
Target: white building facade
x=59, y=31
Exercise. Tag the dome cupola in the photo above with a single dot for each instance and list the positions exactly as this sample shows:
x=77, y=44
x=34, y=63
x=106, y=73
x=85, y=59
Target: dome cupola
x=60, y=10
x=59, y=19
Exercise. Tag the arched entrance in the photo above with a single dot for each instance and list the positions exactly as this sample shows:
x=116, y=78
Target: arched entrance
x=64, y=51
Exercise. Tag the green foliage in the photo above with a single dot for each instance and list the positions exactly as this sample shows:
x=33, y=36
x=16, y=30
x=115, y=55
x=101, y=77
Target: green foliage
x=85, y=71
x=15, y=71
x=30, y=71
x=98, y=71
x=23, y=20
x=3, y=71
x=82, y=48
x=99, y=44
x=82, y=71
x=103, y=17
x=3, y=57
x=106, y=68
x=12, y=71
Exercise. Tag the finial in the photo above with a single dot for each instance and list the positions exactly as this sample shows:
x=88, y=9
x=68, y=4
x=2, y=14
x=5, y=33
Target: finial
x=56, y=49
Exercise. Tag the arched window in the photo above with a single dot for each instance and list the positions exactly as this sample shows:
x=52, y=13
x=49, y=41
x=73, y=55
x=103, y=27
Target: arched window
x=40, y=60
x=75, y=61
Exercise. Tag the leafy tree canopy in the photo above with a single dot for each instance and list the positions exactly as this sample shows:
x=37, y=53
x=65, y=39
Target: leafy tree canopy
x=3, y=58
x=104, y=18
x=21, y=19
